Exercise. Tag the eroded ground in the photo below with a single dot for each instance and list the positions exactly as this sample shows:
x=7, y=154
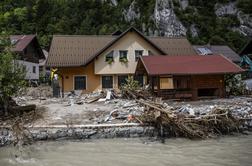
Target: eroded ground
x=59, y=111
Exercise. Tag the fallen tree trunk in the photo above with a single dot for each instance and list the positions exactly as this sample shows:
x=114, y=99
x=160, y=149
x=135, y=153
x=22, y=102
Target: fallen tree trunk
x=22, y=109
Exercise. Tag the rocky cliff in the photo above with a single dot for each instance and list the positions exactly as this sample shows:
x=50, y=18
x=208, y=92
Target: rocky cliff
x=215, y=21
x=202, y=21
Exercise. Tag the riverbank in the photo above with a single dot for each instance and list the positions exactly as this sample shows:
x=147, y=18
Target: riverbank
x=224, y=151
x=79, y=132
x=108, y=119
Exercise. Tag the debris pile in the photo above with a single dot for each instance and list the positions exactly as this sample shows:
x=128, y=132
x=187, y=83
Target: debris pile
x=132, y=90
x=124, y=110
x=136, y=94
x=183, y=122
x=40, y=92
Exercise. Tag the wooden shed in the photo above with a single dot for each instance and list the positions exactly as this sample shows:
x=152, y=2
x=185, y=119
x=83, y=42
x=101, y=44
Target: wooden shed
x=190, y=77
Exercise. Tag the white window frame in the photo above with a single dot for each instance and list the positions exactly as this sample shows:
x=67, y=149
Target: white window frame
x=123, y=51
x=112, y=82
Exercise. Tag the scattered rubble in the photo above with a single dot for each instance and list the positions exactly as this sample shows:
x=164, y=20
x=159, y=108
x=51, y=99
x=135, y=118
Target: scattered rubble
x=40, y=92
x=183, y=121
x=191, y=119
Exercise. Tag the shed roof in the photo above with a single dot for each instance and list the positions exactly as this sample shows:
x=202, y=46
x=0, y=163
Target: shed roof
x=220, y=50
x=77, y=50
x=188, y=65
x=20, y=42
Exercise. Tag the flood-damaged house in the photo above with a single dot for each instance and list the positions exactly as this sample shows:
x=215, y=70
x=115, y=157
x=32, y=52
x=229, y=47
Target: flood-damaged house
x=190, y=77
x=90, y=62
x=29, y=53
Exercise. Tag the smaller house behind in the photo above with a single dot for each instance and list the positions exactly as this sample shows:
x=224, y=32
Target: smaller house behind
x=29, y=52
x=218, y=50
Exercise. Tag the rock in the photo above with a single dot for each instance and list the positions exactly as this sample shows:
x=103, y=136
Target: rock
x=166, y=19
x=225, y=9
x=131, y=13
x=194, y=30
x=40, y=136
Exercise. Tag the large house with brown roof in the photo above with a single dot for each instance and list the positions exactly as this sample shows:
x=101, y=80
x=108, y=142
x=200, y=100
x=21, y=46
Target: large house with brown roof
x=89, y=63
x=29, y=51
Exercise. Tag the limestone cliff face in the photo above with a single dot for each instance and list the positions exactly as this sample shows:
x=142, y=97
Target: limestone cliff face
x=166, y=20
x=162, y=19
x=223, y=10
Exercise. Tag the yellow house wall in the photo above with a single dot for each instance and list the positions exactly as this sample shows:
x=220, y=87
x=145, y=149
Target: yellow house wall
x=93, y=81
x=131, y=42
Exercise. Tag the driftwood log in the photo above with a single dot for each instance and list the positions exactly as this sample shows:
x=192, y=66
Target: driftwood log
x=22, y=109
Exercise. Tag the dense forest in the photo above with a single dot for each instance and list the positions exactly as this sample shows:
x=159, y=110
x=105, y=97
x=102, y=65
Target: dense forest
x=48, y=17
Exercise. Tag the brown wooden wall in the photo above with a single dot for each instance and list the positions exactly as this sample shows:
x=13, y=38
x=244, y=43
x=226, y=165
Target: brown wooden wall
x=208, y=82
x=192, y=86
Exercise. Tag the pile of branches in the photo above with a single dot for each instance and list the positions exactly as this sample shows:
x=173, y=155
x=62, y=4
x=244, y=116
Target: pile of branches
x=132, y=90
x=136, y=94
x=171, y=123
x=18, y=118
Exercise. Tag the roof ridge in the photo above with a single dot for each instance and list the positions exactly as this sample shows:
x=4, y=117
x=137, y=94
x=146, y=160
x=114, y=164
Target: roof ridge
x=167, y=37
x=84, y=36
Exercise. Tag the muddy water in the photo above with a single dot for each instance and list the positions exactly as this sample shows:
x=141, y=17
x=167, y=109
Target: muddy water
x=227, y=151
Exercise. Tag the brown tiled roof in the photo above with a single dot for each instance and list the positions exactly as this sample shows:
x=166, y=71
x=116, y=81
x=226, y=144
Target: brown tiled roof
x=188, y=65
x=72, y=50
x=20, y=42
x=174, y=46
x=221, y=50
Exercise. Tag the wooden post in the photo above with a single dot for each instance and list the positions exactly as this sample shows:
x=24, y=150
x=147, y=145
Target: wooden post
x=152, y=84
x=158, y=86
x=194, y=88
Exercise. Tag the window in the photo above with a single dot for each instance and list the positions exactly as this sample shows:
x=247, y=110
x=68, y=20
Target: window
x=79, y=82
x=166, y=83
x=139, y=78
x=138, y=53
x=122, y=80
x=123, y=55
x=110, y=57
x=34, y=69
x=107, y=82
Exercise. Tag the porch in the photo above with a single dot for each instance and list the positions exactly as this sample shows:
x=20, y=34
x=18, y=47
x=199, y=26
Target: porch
x=187, y=87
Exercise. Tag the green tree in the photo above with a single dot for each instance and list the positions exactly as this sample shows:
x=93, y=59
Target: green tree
x=12, y=75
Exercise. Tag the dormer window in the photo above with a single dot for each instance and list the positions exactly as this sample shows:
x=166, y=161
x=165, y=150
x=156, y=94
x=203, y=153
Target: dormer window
x=110, y=57
x=138, y=53
x=123, y=55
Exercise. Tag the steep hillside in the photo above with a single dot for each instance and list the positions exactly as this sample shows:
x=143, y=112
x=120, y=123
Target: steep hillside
x=202, y=21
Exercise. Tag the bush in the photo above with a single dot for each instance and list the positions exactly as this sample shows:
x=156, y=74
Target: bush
x=234, y=85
